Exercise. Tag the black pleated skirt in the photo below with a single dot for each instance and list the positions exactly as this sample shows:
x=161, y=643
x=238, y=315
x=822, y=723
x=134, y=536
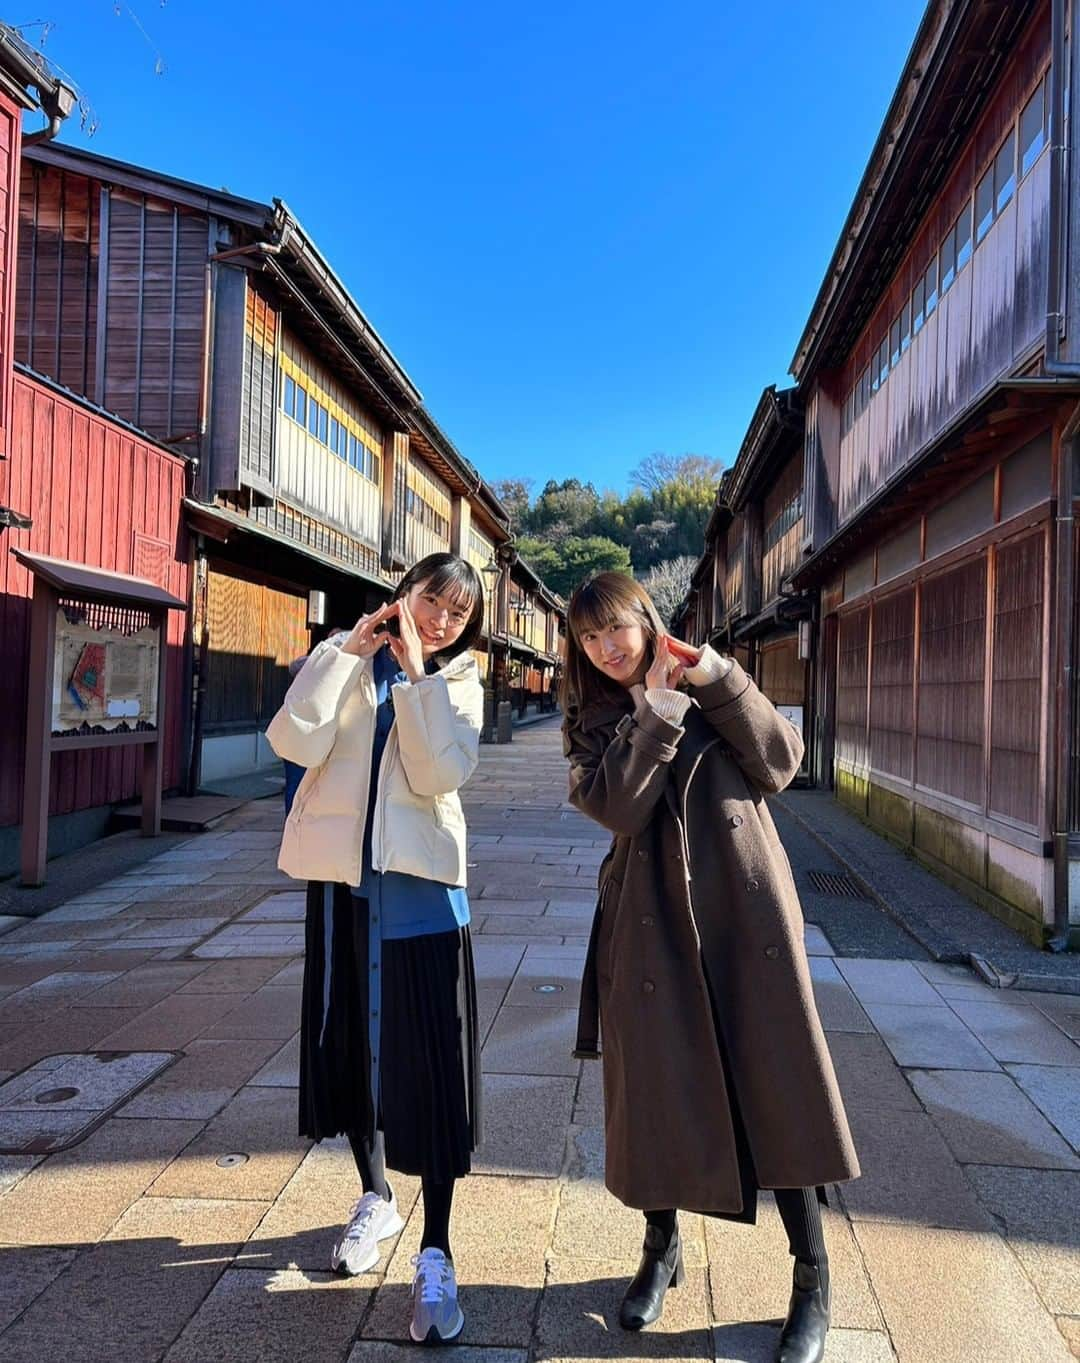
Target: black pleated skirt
x=423, y=1092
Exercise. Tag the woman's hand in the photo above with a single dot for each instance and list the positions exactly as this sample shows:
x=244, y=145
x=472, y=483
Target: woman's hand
x=686, y=653
x=408, y=649
x=365, y=640
x=666, y=670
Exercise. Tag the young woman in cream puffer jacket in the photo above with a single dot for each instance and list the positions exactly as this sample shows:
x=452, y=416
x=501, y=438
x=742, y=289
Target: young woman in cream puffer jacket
x=386, y=720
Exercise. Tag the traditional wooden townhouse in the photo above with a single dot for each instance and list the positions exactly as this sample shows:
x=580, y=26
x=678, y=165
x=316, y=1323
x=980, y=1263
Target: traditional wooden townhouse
x=214, y=324
x=78, y=489
x=940, y=374
x=533, y=626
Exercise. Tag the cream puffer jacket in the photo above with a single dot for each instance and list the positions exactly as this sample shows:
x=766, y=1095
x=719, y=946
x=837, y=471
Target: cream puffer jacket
x=327, y=724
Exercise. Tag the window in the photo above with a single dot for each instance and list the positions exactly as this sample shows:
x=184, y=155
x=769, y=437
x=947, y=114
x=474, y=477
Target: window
x=984, y=205
x=1005, y=173
x=335, y=433
x=290, y=396
x=324, y=420
x=905, y=326
x=300, y=410
x=918, y=307
x=931, y=287
x=313, y=418
x=875, y=371
x=883, y=361
x=962, y=232
x=947, y=261
x=894, y=344
x=1034, y=130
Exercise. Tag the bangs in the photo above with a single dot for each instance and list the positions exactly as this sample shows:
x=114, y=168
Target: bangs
x=456, y=580
x=598, y=605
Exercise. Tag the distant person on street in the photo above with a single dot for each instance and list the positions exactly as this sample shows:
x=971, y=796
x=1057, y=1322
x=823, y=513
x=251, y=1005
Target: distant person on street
x=386, y=721
x=717, y=1078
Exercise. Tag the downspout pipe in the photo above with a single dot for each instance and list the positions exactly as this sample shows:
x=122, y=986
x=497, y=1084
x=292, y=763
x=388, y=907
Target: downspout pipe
x=1060, y=211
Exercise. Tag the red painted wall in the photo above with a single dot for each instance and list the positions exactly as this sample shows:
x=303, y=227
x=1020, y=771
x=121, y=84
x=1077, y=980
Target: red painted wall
x=97, y=495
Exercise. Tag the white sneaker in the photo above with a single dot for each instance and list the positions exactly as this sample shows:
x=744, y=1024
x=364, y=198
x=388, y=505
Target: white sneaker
x=372, y=1219
x=436, y=1317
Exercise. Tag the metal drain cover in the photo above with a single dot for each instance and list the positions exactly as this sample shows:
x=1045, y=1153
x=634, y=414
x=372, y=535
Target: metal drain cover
x=547, y=988
x=58, y=1101
x=835, y=883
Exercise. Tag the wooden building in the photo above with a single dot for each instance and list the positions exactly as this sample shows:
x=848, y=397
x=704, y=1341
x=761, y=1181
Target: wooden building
x=940, y=374
x=215, y=325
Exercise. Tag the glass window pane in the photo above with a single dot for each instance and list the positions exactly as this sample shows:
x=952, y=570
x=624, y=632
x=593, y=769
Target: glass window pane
x=334, y=428
x=894, y=343
x=931, y=286
x=313, y=417
x=324, y=418
x=905, y=326
x=290, y=396
x=300, y=410
x=883, y=361
x=963, y=237
x=375, y=474
x=984, y=205
x=1033, y=129
x=1005, y=172
x=947, y=259
x=918, y=306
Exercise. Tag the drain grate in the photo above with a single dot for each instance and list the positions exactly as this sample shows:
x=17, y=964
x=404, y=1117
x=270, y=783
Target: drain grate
x=835, y=883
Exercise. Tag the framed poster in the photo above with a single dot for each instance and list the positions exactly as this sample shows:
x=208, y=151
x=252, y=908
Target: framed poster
x=104, y=678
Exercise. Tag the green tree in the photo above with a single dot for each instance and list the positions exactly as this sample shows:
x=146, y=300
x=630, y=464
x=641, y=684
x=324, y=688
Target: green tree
x=574, y=558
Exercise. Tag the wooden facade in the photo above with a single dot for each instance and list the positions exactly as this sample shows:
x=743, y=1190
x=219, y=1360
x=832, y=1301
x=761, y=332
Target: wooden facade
x=936, y=437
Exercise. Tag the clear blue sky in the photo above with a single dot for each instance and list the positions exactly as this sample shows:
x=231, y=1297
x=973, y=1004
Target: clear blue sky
x=589, y=231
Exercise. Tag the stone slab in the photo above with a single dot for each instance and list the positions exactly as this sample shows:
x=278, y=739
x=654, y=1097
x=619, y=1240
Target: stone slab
x=986, y=1119
x=869, y=1077
x=982, y=1305
x=908, y=1174
x=202, y=1081
x=73, y=1197
x=888, y=982
x=273, y=1316
x=1056, y=1093
x=168, y=1025
x=270, y=1013
x=534, y=1040
x=1018, y=1035
x=757, y=1344
x=924, y=1036
x=259, y=1123
x=25, y=1273
x=525, y=1124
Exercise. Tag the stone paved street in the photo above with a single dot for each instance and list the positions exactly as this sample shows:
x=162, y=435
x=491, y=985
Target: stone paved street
x=148, y=1037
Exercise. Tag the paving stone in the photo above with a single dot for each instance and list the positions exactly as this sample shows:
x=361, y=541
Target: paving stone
x=525, y=1123
x=383, y=1351
x=69, y=1031
x=987, y=1120
x=1063, y=1010
x=757, y=1344
x=24, y=1274
x=282, y=1070
x=750, y=1270
x=1039, y=1212
x=908, y=1174
x=1056, y=1093
x=545, y=981
x=143, y=986
x=15, y=1167
x=292, y=974
x=271, y=1012
x=512, y=908
x=274, y=1316
x=579, y=1315
x=527, y=930
x=496, y=962
x=202, y=1081
x=982, y=1305
x=257, y=1122
x=302, y=1225
x=929, y=1037
x=290, y=906
x=1020, y=1035
x=838, y=1008
x=49, y=995
x=888, y=982
x=96, y=1083
x=868, y=1075
x=168, y=1025
x=589, y=1098
x=817, y=944
x=534, y=1040
x=75, y=1196
x=153, y=1271
x=1070, y=1331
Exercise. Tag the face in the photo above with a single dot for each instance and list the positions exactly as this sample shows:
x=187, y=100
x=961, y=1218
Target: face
x=619, y=650
x=440, y=619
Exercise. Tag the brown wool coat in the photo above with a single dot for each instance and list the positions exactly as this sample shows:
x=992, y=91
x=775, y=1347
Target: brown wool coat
x=691, y=799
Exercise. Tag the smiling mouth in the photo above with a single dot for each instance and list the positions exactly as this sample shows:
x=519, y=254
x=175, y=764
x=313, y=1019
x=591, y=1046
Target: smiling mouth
x=615, y=662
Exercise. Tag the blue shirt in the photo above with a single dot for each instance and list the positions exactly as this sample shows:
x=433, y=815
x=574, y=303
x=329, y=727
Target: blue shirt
x=404, y=905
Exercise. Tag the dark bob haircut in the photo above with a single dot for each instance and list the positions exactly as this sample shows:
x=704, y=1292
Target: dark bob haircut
x=449, y=575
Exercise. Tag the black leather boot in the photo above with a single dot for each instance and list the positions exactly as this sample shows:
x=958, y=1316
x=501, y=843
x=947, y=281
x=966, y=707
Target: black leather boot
x=661, y=1267
x=802, y=1339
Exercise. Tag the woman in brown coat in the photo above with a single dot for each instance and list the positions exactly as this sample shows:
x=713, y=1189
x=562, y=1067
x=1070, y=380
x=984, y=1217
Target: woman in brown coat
x=717, y=1077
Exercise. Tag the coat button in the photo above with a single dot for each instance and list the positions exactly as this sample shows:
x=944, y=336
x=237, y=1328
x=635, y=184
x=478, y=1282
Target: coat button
x=647, y=922
x=643, y=854
x=648, y=987
x=772, y=953
x=752, y=886
x=736, y=820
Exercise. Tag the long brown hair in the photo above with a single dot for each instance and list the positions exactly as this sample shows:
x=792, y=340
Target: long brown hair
x=607, y=599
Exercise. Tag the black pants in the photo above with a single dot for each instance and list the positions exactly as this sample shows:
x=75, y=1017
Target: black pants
x=800, y=1211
